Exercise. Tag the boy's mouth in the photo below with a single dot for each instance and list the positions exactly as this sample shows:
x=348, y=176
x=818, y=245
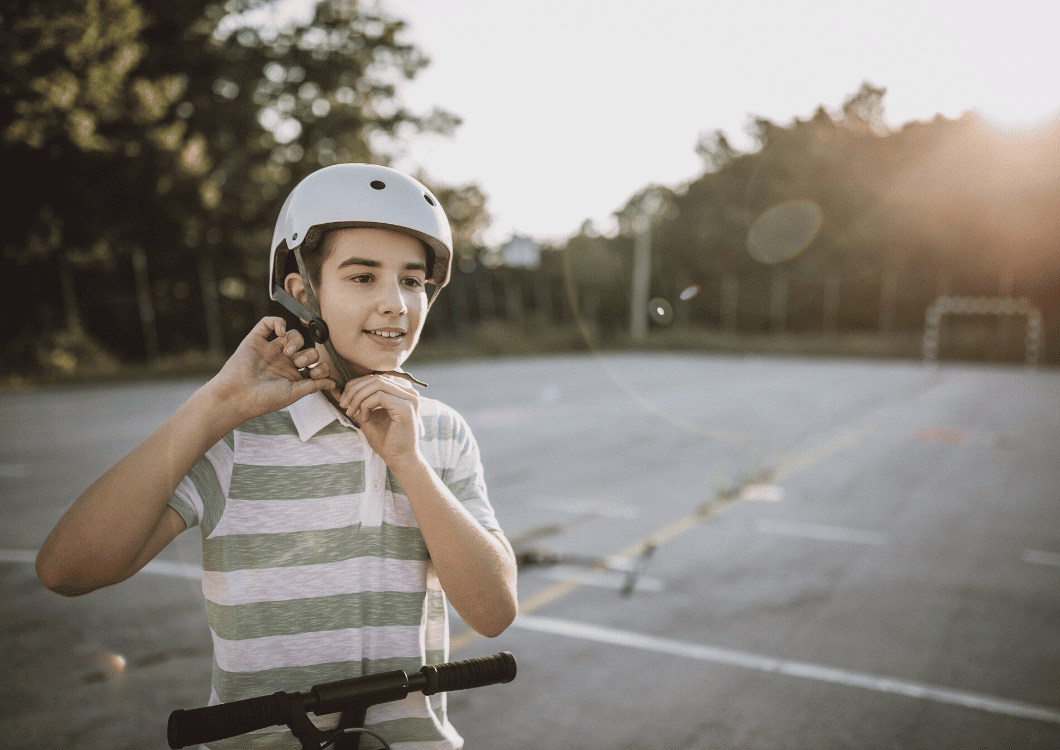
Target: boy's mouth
x=387, y=333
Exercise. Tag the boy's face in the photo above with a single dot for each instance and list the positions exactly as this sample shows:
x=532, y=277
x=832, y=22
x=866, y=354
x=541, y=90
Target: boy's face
x=372, y=296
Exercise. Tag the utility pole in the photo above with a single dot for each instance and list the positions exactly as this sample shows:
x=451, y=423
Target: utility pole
x=638, y=301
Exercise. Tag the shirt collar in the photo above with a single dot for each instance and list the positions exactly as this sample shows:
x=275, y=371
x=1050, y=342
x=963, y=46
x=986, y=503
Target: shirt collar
x=313, y=413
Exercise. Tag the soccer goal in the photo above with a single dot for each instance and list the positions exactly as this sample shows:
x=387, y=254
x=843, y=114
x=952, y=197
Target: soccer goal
x=982, y=306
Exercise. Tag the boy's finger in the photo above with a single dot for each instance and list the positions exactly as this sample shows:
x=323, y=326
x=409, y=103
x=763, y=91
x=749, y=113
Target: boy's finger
x=268, y=326
x=295, y=341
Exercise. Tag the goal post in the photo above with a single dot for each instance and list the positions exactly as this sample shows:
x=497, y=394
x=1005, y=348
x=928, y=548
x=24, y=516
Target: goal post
x=982, y=306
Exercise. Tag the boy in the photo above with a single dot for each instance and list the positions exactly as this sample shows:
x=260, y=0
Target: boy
x=336, y=504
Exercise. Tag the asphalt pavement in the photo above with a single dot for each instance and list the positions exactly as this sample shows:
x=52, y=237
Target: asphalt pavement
x=719, y=552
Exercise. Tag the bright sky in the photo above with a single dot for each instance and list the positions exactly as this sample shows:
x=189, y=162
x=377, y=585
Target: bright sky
x=572, y=106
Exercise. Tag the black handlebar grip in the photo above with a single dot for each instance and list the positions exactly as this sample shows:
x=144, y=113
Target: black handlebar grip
x=200, y=725
x=471, y=673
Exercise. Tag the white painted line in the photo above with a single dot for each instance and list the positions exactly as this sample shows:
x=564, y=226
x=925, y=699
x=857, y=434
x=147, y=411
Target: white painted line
x=14, y=471
x=1039, y=557
x=155, y=567
x=805, y=670
x=819, y=531
x=173, y=570
x=605, y=579
x=762, y=493
x=28, y=556
x=578, y=506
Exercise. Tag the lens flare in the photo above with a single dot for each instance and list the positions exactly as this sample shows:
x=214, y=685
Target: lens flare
x=661, y=311
x=689, y=293
x=784, y=231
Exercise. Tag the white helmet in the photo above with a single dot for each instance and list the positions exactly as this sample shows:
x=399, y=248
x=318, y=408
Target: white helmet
x=354, y=195
x=361, y=195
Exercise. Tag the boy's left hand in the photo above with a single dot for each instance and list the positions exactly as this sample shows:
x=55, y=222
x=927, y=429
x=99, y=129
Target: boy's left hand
x=386, y=408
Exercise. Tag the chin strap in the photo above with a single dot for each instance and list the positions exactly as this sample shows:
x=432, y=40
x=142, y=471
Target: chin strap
x=318, y=329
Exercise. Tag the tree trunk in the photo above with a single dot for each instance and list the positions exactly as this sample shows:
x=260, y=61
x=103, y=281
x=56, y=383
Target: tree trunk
x=888, y=300
x=146, y=305
x=513, y=299
x=730, y=297
x=211, y=306
x=778, y=304
x=72, y=309
x=831, y=306
x=543, y=299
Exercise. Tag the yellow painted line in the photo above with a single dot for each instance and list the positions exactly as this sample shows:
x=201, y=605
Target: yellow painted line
x=786, y=468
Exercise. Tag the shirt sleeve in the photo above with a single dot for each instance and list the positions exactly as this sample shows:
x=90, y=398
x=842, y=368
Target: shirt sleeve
x=465, y=476
x=200, y=497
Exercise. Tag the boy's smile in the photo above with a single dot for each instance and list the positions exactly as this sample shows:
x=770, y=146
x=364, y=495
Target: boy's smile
x=372, y=296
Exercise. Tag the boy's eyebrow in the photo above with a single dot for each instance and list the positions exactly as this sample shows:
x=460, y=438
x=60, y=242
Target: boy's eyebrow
x=415, y=266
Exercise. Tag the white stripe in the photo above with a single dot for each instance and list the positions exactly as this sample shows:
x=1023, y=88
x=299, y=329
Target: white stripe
x=309, y=649
x=819, y=531
x=1038, y=557
x=314, y=514
x=261, y=450
x=327, y=579
x=748, y=660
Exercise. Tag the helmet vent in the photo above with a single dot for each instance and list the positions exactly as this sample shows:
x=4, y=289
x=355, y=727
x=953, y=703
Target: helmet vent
x=428, y=199
x=377, y=184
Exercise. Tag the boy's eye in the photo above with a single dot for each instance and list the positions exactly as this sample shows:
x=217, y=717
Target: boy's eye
x=413, y=282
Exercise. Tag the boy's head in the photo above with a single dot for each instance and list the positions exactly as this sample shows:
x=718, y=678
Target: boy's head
x=311, y=229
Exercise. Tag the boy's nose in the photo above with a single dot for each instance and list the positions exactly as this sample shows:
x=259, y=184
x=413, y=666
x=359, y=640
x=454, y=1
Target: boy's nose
x=391, y=300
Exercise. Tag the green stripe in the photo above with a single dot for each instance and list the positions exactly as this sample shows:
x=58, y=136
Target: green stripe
x=323, y=613
x=438, y=428
x=186, y=512
x=334, y=428
x=296, y=482
x=225, y=554
x=204, y=477
x=234, y=686
x=275, y=423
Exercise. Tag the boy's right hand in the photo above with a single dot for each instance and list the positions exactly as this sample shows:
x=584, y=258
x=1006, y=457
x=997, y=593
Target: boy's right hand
x=262, y=376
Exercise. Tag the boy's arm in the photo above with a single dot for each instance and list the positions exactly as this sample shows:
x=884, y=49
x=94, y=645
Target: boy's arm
x=122, y=520
x=476, y=567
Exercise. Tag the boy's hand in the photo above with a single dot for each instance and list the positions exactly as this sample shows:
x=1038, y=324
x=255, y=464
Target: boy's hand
x=386, y=408
x=263, y=376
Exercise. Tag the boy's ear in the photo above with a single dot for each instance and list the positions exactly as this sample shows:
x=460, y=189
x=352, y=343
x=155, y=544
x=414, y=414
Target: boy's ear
x=295, y=287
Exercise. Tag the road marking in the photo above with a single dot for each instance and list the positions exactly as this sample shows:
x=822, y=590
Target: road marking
x=578, y=506
x=747, y=660
x=605, y=579
x=14, y=471
x=787, y=467
x=818, y=531
x=155, y=567
x=1038, y=557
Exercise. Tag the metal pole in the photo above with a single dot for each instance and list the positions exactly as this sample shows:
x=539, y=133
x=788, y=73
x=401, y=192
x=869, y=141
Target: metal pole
x=638, y=308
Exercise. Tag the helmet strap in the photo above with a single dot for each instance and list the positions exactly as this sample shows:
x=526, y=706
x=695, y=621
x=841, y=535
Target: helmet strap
x=318, y=329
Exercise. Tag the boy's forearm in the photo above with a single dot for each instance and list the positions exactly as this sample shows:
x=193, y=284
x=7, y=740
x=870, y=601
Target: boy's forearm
x=102, y=533
x=475, y=567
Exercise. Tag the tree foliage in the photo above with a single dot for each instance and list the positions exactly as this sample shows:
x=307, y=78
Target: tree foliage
x=172, y=131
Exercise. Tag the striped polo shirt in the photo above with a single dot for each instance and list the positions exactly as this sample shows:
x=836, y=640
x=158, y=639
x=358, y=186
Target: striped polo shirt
x=314, y=569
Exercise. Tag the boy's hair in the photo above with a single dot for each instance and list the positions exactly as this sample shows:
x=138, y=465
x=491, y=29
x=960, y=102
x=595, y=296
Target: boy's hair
x=316, y=248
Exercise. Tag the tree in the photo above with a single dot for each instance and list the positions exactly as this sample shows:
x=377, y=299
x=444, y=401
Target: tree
x=168, y=133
